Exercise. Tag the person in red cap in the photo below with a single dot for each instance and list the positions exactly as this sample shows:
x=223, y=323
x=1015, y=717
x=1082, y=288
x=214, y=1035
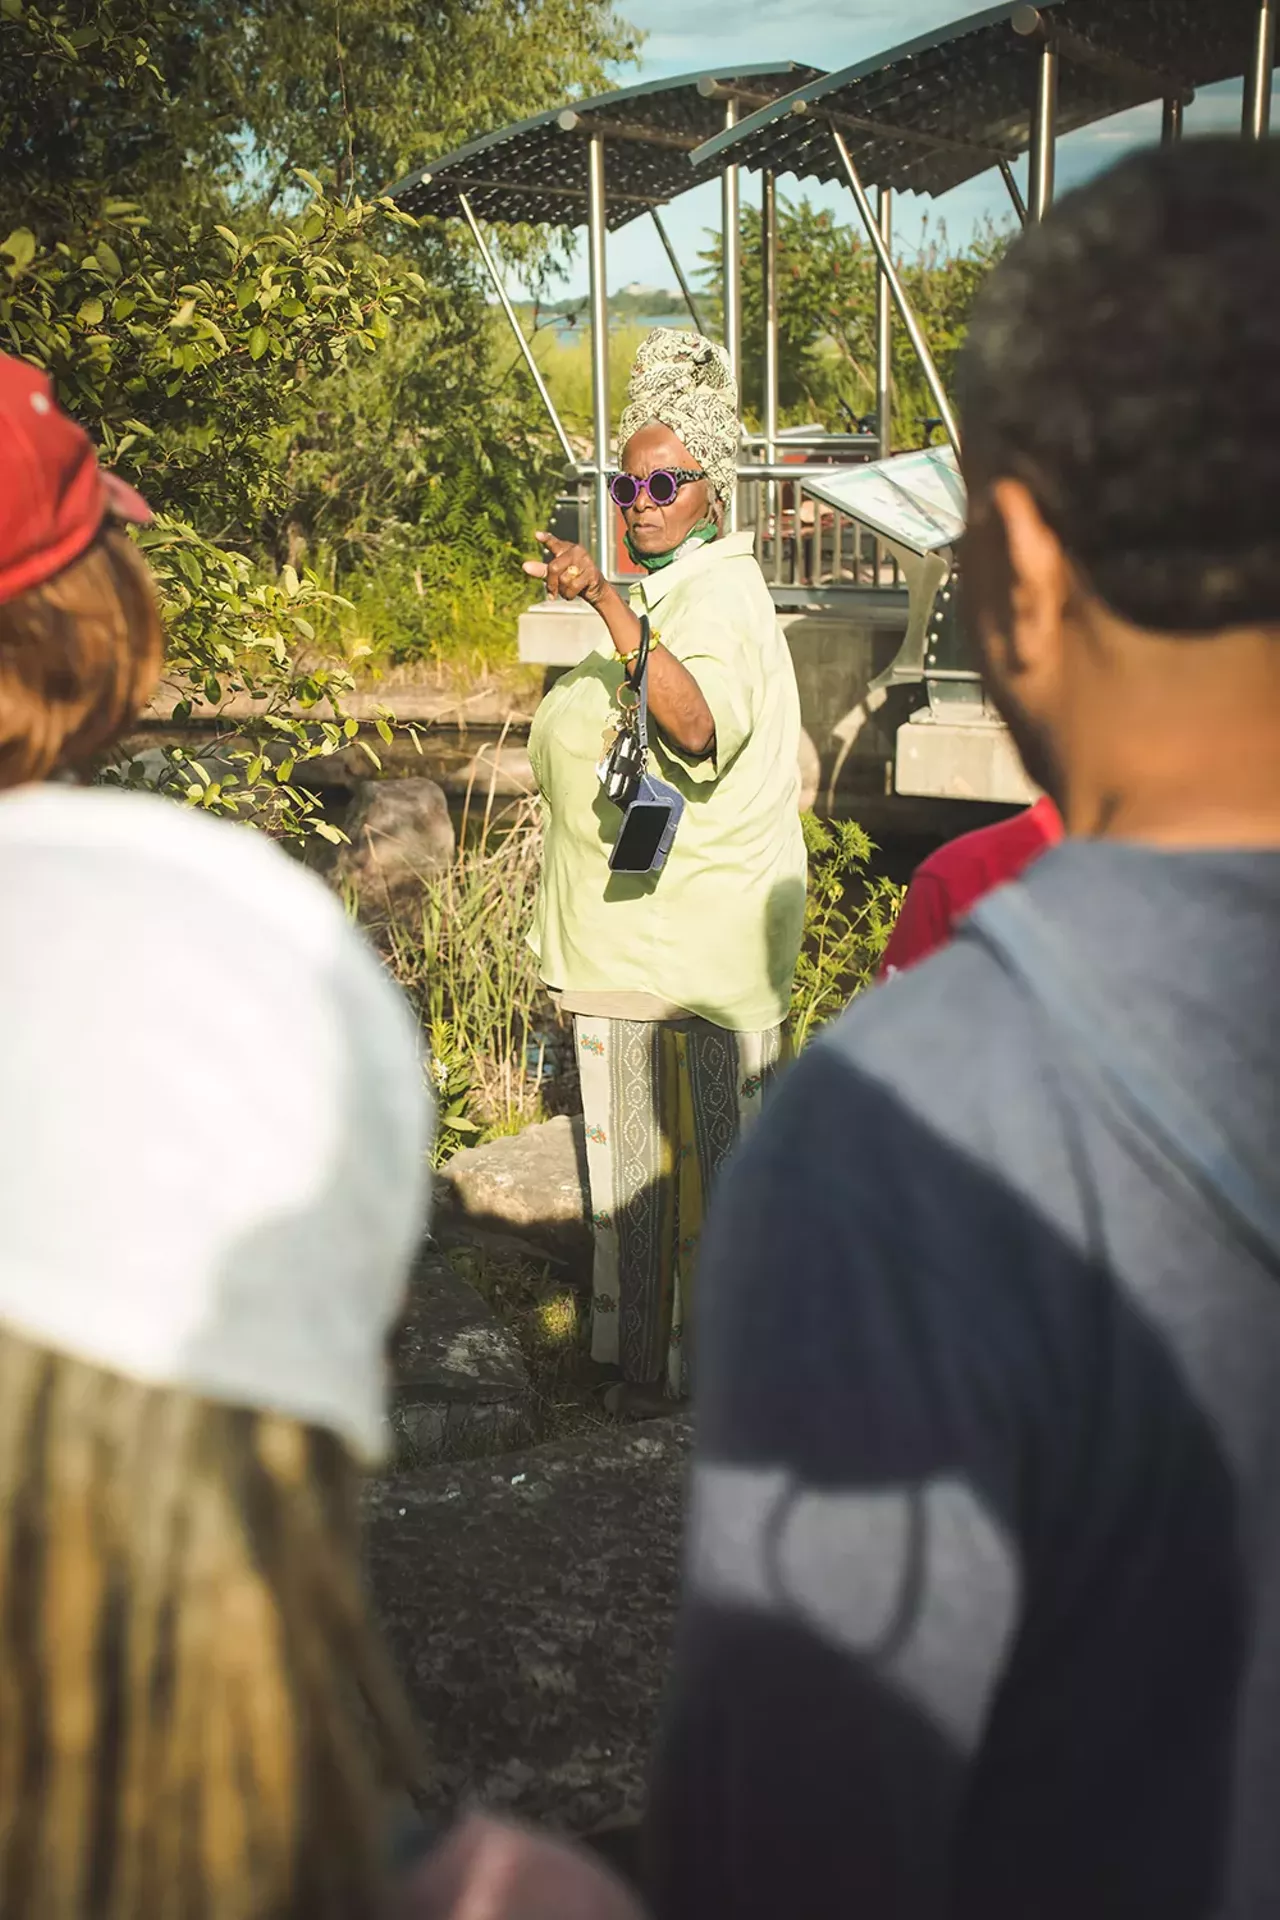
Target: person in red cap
x=81, y=644
x=945, y=886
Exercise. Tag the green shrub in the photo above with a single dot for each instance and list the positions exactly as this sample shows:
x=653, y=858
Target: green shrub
x=440, y=605
x=848, y=917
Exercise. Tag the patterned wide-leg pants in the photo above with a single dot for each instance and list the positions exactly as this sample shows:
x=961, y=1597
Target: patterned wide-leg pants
x=664, y=1103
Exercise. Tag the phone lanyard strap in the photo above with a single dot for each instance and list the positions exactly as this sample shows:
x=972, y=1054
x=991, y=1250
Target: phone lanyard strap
x=638, y=680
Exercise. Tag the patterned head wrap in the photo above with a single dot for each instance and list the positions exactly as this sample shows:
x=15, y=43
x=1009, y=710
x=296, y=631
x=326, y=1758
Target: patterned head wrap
x=686, y=382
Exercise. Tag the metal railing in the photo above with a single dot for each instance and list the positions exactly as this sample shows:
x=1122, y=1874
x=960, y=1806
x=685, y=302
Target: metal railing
x=801, y=541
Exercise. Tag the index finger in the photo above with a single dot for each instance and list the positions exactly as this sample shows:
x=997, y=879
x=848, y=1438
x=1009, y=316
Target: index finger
x=554, y=546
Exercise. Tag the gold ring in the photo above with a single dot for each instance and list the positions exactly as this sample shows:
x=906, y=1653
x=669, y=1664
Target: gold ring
x=571, y=573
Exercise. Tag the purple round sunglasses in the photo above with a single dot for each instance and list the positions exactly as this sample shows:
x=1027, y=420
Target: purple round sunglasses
x=662, y=485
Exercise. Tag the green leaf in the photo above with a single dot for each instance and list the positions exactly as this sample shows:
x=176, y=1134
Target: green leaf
x=20, y=247
x=258, y=340
x=11, y=9
x=90, y=312
x=331, y=833
x=185, y=315
x=109, y=259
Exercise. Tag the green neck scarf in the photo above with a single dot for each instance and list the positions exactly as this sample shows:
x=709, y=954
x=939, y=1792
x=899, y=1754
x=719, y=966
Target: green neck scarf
x=654, y=562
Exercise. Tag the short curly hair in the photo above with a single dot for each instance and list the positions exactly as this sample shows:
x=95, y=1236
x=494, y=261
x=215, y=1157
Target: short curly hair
x=1123, y=361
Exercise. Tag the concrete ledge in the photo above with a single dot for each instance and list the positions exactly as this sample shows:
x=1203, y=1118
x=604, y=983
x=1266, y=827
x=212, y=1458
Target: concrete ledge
x=951, y=761
x=557, y=633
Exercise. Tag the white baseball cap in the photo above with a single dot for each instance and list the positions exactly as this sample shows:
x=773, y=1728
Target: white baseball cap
x=214, y=1122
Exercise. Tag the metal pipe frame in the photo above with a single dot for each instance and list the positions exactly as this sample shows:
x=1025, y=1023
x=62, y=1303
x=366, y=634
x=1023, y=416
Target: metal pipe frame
x=769, y=304
x=884, y=330
x=906, y=312
x=1171, y=123
x=769, y=288
x=1143, y=82
x=597, y=220
x=1044, y=131
x=1256, y=119
x=514, y=323
x=1014, y=192
x=731, y=263
x=685, y=289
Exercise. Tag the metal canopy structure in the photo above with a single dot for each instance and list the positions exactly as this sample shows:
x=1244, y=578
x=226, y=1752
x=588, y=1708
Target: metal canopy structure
x=924, y=117
x=939, y=110
x=931, y=114
x=535, y=173
x=551, y=171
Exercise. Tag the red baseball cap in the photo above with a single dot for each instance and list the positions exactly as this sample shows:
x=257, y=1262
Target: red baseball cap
x=53, y=494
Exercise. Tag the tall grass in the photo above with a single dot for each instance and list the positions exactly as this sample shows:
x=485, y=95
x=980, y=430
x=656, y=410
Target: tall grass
x=466, y=965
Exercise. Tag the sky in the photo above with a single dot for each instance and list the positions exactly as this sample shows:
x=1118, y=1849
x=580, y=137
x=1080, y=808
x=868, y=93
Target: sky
x=690, y=36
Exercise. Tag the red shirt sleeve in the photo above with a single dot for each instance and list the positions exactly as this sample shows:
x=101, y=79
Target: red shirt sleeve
x=923, y=924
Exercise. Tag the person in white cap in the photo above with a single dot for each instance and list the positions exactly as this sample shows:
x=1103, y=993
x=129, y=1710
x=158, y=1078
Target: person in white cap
x=213, y=1130
x=213, y=1136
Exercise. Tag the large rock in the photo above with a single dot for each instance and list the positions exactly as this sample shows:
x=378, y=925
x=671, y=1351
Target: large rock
x=528, y=1192
x=461, y=1384
x=401, y=835
x=528, y=1603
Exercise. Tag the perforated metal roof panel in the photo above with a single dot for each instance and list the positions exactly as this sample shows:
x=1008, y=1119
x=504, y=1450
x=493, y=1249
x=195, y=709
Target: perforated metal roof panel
x=536, y=172
x=941, y=109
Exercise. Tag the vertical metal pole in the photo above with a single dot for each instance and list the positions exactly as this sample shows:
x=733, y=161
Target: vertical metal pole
x=1171, y=123
x=731, y=250
x=906, y=312
x=1044, y=130
x=769, y=287
x=685, y=289
x=1257, y=81
x=1015, y=194
x=884, y=330
x=599, y=290
x=769, y=303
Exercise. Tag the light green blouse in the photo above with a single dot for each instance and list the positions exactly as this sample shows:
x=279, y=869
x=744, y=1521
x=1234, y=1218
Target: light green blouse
x=718, y=930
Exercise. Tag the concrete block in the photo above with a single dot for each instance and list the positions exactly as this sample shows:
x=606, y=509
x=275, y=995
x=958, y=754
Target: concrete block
x=953, y=761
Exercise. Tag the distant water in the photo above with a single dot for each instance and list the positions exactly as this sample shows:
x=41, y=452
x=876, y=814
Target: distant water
x=566, y=333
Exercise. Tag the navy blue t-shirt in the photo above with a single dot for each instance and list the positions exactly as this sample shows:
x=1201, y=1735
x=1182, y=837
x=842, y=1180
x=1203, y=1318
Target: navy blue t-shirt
x=982, y=1614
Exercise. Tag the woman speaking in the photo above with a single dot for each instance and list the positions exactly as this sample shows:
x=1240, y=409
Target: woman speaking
x=674, y=952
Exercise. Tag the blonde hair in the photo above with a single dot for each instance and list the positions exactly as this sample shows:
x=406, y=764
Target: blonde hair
x=80, y=656
x=195, y=1719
